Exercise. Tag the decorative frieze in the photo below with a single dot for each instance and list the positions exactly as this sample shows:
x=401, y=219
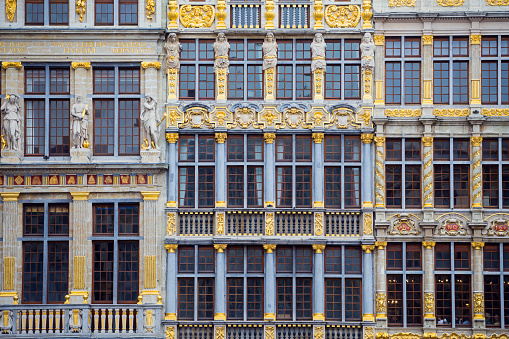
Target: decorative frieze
x=451, y=112
x=197, y=16
x=403, y=113
x=497, y=2
x=495, y=112
x=450, y=3
x=342, y=16
x=402, y=3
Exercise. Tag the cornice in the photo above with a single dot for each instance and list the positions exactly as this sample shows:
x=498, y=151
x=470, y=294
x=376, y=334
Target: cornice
x=82, y=169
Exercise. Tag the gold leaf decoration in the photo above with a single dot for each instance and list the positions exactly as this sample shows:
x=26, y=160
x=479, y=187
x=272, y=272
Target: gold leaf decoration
x=81, y=8
x=151, y=8
x=10, y=8
x=342, y=16
x=450, y=3
x=498, y=2
x=402, y=3
x=197, y=16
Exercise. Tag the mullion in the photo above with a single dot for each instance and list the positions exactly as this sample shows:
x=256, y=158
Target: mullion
x=343, y=294
x=342, y=94
x=195, y=291
x=115, y=251
x=342, y=184
x=451, y=71
x=294, y=85
x=45, y=257
x=46, y=99
x=244, y=166
x=501, y=281
x=116, y=136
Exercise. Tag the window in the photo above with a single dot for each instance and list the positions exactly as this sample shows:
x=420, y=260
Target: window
x=196, y=171
x=197, y=77
x=245, y=170
x=452, y=285
x=105, y=12
x=245, y=81
x=450, y=70
x=342, y=77
x=47, y=94
x=495, y=70
x=245, y=283
x=496, y=285
x=403, y=70
x=116, y=98
x=452, y=173
x=45, y=274
x=294, y=267
x=403, y=170
x=115, y=244
x=495, y=171
x=343, y=273
x=342, y=161
x=404, y=284
x=196, y=293
x=58, y=12
x=293, y=155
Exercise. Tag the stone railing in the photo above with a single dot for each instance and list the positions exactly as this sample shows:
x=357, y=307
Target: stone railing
x=49, y=320
x=294, y=223
x=343, y=224
x=245, y=223
x=196, y=223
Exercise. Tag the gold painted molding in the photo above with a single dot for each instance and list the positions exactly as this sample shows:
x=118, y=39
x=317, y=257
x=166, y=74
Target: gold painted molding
x=10, y=196
x=427, y=141
x=379, y=141
x=84, y=64
x=381, y=244
x=451, y=112
x=402, y=3
x=428, y=244
x=368, y=248
x=498, y=2
x=379, y=40
x=152, y=64
x=151, y=9
x=269, y=137
x=403, y=113
x=221, y=138
x=11, y=64
x=495, y=112
x=79, y=196
x=450, y=3
x=150, y=195
x=317, y=137
x=476, y=141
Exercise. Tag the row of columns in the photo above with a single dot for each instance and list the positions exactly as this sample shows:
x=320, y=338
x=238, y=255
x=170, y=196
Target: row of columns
x=270, y=283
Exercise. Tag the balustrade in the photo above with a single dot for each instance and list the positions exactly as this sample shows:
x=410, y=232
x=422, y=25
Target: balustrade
x=342, y=224
x=244, y=223
x=196, y=223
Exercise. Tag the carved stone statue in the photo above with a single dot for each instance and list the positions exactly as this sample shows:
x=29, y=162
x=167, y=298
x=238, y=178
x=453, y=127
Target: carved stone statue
x=269, y=49
x=149, y=118
x=173, y=48
x=368, y=52
x=79, y=126
x=221, y=49
x=318, y=47
x=12, y=122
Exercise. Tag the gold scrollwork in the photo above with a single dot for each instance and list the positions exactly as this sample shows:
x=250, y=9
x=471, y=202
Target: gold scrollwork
x=319, y=332
x=172, y=137
x=171, y=226
x=368, y=248
x=368, y=224
x=498, y=228
x=379, y=40
x=10, y=7
x=269, y=332
x=342, y=16
x=367, y=80
x=170, y=332
x=368, y=333
x=475, y=39
x=381, y=303
x=269, y=223
x=7, y=64
x=318, y=248
x=220, y=332
x=318, y=223
x=379, y=142
x=151, y=9
x=197, y=16
x=451, y=112
x=496, y=112
x=220, y=223
x=153, y=64
x=450, y=3
x=81, y=6
x=405, y=336
x=478, y=305
x=85, y=65
x=429, y=303
x=402, y=3
x=404, y=226
x=403, y=113
x=498, y=2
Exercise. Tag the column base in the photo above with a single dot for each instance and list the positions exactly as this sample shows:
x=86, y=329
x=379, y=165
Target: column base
x=368, y=317
x=150, y=296
x=9, y=298
x=170, y=316
x=79, y=297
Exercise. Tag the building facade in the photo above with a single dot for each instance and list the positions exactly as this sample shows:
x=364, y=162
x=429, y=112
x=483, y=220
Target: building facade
x=255, y=170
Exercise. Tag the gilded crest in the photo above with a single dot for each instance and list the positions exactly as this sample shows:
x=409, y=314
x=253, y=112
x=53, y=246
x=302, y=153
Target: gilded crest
x=197, y=116
x=498, y=228
x=452, y=227
x=293, y=115
x=343, y=116
x=245, y=114
x=197, y=16
x=403, y=226
x=342, y=16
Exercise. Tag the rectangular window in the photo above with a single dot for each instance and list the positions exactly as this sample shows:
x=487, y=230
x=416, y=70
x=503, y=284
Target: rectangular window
x=129, y=129
x=236, y=82
x=333, y=299
x=186, y=148
x=186, y=298
x=128, y=12
x=461, y=186
x=206, y=148
x=254, y=298
x=206, y=84
x=303, y=82
x=352, y=299
x=104, y=124
x=284, y=148
x=394, y=257
x=492, y=300
x=284, y=292
x=303, y=298
x=254, y=186
x=186, y=187
x=302, y=148
x=460, y=82
x=34, y=12
x=284, y=186
x=235, y=186
x=254, y=148
x=235, y=298
x=491, y=257
x=284, y=82
x=59, y=12
x=104, y=12
x=302, y=186
x=413, y=83
x=393, y=181
x=332, y=148
x=489, y=82
x=443, y=257
x=206, y=187
x=333, y=187
x=187, y=82
x=235, y=148
x=442, y=186
x=186, y=259
x=34, y=127
x=352, y=187
x=395, y=298
x=33, y=275
x=441, y=82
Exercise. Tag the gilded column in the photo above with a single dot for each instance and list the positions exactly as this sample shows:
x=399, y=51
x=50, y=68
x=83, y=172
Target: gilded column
x=269, y=14
x=427, y=171
x=379, y=69
x=171, y=282
x=318, y=172
x=427, y=69
x=367, y=286
x=269, y=169
x=220, y=290
x=318, y=14
x=379, y=172
x=475, y=70
x=478, y=284
x=318, y=284
x=11, y=247
x=367, y=184
x=150, y=291
x=381, y=284
x=270, y=283
x=429, y=284
x=221, y=170
x=476, y=172
x=171, y=190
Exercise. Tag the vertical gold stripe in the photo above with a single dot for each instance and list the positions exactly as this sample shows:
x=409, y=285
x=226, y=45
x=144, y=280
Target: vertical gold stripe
x=9, y=273
x=475, y=89
x=79, y=272
x=150, y=271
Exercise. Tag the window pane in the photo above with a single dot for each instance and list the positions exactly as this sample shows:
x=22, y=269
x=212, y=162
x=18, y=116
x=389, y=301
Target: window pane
x=235, y=298
x=303, y=298
x=206, y=187
x=352, y=299
x=128, y=219
x=395, y=299
x=255, y=259
x=104, y=122
x=103, y=272
x=414, y=300
x=255, y=298
x=186, y=259
x=58, y=271
x=33, y=253
x=104, y=12
x=284, y=186
x=284, y=260
x=333, y=260
x=33, y=220
x=442, y=257
x=254, y=186
x=128, y=12
x=394, y=257
x=492, y=300
x=205, y=259
x=303, y=187
x=128, y=262
x=205, y=298
x=34, y=128
x=59, y=12
x=206, y=146
x=333, y=187
x=352, y=260
x=58, y=222
x=235, y=186
x=235, y=259
x=59, y=128
x=284, y=298
x=34, y=12
x=186, y=148
x=255, y=148
x=333, y=299
x=104, y=81
x=186, y=298
x=186, y=187
x=103, y=219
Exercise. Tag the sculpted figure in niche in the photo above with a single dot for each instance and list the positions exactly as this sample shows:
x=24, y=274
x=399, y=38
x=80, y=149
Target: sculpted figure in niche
x=368, y=52
x=269, y=49
x=173, y=48
x=79, y=127
x=318, y=47
x=221, y=49
x=12, y=122
x=150, y=121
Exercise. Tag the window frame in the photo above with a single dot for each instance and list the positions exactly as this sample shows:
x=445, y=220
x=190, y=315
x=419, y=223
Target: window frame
x=198, y=62
x=498, y=59
x=503, y=275
x=501, y=163
x=116, y=14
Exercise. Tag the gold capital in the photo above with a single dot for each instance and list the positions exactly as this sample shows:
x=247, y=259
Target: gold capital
x=153, y=64
x=269, y=248
x=476, y=141
x=150, y=195
x=367, y=138
x=318, y=248
x=172, y=137
x=379, y=40
x=317, y=137
x=428, y=244
x=269, y=137
x=171, y=248
x=220, y=247
x=11, y=64
x=477, y=245
x=76, y=196
x=380, y=244
x=379, y=141
x=368, y=248
x=84, y=64
x=427, y=39
x=221, y=138
x=10, y=196
x=427, y=141
x=475, y=39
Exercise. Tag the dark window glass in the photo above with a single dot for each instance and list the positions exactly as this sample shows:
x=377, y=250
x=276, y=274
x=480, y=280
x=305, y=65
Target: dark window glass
x=186, y=259
x=490, y=149
x=461, y=186
x=441, y=149
x=128, y=219
x=490, y=186
x=333, y=148
x=303, y=298
x=352, y=188
x=254, y=259
x=441, y=82
x=128, y=272
x=392, y=82
x=235, y=186
x=284, y=298
x=460, y=82
x=103, y=272
x=460, y=149
x=393, y=149
x=34, y=128
x=206, y=147
x=491, y=257
x=413, y=257
x=333, y=259
x=33, y=220
x=59, y=81
x=461, y=257
x=33, y=253
x=352, y=260
x=412, y=82
x=129, y=81
x=284, y=148
x=393, y=186
x=442, y=186
x=58, y=271
x=129, y=130
x=333, y=187
x=186, y=148
x=463, y=300
x=206, y=82
x=254, y=186
x=395, y=299
x=394, y=257
x=235, y=259
x=303, y=187
x=284, y=259
x=413, y=186
x=186, y=187
x=254, y=298
x=58, y=222
x=352, y=149
x=303, y=260
x=104, y=123
x=104, y=81
x=284, y=186
x=103, y=219
x=352, y=299
x=35, y=81
x=333, y=299
x=443, y=257
x=443, y=307
x=205, y=259
x=187, y=82
x=236, y=148
x=254, y=148
x=59, y=128
x=205, y=298
x=412, y=149
x=492, y=300
x=414, y=300
x=206, y=187
x=186, y=298
x=489, y=83
x=235, y=298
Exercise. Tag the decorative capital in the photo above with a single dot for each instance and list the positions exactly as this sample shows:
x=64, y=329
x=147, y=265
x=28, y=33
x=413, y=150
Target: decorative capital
x=368, y=248
x=427, y=141
x=318, y=248
x=478, y=305
x=379, y=141
x=477, y=245
x=11, y=64
x=171, y=248
x=85, y=65
x=220, y=247
x=317, y=137
x=151, y=64
x=79, y=195
x=150, y=195
x=428, y=244
x=475, y=39
x=379, y=40
x=380, y=244
x=269, y=248
x=269, y=137
x=221, y=138
x=382, y=335
x=476, y=141
x=10, y=196
x=172, y=137
x=367, y=138
x=427, y=39
x=381, y=303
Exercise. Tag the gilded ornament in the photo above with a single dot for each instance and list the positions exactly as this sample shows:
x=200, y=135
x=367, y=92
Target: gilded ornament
x=478, y=305
x=221, y=138
x=403, y=113
x=269, y=223
x=381, y=303
x=269, y=332
x=221, y=14
x=368, y=224
x=429, y=303
x=317, y=137
x=477, y=245
x=269, y=137
x=170, y=332
x=404, y=226
x=220, y=223
x=367, y=14
x=172, y=137
x=151, y=9
x=450, y=3
x=368, y=248
x=452, y=227
x=379, y=40
x=402, y=3
x=365, y=116
x=476, y=141
x=319, y=332
x=342, y=16
x=269, y=248
x=498, y=2
x=269, y=14
x=318, y=248
x=451, y=112
x=197, y=16
x=367, y=138
x=171, y=248
x=367, y=80
x=382, y=335
x=171, y=225
x=475, y=39
x=81, y=8
x=405, y=336
x=496, y=112
x=498, y=228
x=368, y=333
x=11, y=64
x=85, y=65
x=428, y=244
x=220, y=332
x=220, y=247
x=173, y=14
x=427, y=39
x=318, y=223
x=427, y=142
x=429, y=335
x=380, y=244
x=152, y=64
x=379, y=141
x=318, y=14
x=10, y=8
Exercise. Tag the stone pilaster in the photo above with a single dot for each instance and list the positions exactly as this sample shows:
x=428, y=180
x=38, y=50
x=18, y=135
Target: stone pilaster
x=269, y=76
x=475, y=71
x=367, y=286
x=367, y=172
x=221, y=84
x=270, y=283
x=379, y=70
x=478, y=284
x=221, y=170
x=476, y=172
x=318, y=284
x=318, y=84
x=427, y=172
x=429, y=284
x=220, y=290
x=172, y=178
x=381, y=284
x=379, y=172
x=81, y=221
x=171, y=282
x=11, y=248
x=150, y=291
x=318, y=172
x=173, y=85
x=427, y=70
x=270, y=168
